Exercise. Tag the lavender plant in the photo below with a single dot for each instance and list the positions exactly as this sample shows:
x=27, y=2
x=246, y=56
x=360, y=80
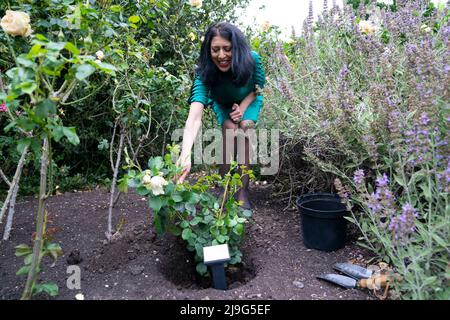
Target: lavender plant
x=369, y=105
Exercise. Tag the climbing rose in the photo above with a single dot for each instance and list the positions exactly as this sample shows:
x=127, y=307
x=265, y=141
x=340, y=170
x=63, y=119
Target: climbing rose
x=196, y=3
x=16, y=23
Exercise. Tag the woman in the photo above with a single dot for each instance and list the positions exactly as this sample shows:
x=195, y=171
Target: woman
x=227, y=77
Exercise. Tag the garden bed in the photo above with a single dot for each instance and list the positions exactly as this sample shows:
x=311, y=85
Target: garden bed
x=138, y=264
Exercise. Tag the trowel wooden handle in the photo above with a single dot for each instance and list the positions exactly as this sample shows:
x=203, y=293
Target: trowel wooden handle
x=376, y=282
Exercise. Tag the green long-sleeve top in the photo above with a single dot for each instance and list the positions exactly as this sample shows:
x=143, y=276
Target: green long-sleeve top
x=226, y=93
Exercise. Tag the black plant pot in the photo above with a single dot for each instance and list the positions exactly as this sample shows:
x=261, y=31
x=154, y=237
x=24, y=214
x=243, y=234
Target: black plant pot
x=323, y=224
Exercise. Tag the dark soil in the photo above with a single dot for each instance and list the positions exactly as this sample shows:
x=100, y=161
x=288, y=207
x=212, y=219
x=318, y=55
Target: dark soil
x=138, y=264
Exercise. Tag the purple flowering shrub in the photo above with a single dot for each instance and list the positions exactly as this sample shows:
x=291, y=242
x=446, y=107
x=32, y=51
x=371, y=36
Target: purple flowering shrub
x=366, y=94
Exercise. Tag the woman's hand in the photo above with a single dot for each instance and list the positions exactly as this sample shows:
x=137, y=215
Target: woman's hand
x=186, y=165
x=237, y=113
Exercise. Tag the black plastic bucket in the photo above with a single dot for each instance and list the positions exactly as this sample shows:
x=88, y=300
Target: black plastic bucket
x=323, y=224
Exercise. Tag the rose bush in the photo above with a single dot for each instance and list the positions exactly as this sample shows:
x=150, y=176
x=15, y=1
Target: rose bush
x=191, y=211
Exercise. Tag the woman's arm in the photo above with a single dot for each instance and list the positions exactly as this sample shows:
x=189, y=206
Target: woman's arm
x=193, y=123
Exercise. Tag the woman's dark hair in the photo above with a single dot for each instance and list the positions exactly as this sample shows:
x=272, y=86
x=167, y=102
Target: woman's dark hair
x=242, y=63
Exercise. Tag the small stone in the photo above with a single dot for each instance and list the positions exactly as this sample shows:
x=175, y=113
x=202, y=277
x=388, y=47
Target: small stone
x=79, y=296
x=106, y=285
x=206, y=298
x=298, y=284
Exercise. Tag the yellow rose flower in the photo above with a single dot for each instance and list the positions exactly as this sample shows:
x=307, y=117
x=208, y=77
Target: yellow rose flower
x=196, y=3
x=156, y=184
x=100, y=55
x=146, y=179
x=16, y=23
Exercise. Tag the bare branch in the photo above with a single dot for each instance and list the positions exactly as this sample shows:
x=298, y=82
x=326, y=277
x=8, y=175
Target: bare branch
x=14, y=182
x=5, y=178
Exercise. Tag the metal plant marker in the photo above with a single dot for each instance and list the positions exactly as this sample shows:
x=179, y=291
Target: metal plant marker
x=215, y=257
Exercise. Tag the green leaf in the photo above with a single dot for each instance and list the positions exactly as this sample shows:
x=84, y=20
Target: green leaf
x=230, y=222
x=71, y=135
x=49, y=288
x=45, y=108
x=40, y=37
x=184, y=224
x=142, y=191
x=155, y=203
x=26, y=124
x=83, y=71
x=23, y=270
x=123, y=184
x=56, y=46
x=179, y=206
x=201, y=268
x=22, y=249
x=156, y=164
x=115, y=8
x=426, y=191
x=22, y=60
x=186, y=234
x=28, y=259
x=72, y=48
x=196, y=221
x=439, y=240
x=238, y=229
x=107, y=67
x=194, y=198
x=177, y=197
x=27, y=87
x=400, y=180
x=57, y=132
x=134, y=19
x=221, y=238
x=190, y=208
x=55, y=250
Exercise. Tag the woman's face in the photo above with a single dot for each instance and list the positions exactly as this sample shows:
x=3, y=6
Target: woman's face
x=221, y=53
